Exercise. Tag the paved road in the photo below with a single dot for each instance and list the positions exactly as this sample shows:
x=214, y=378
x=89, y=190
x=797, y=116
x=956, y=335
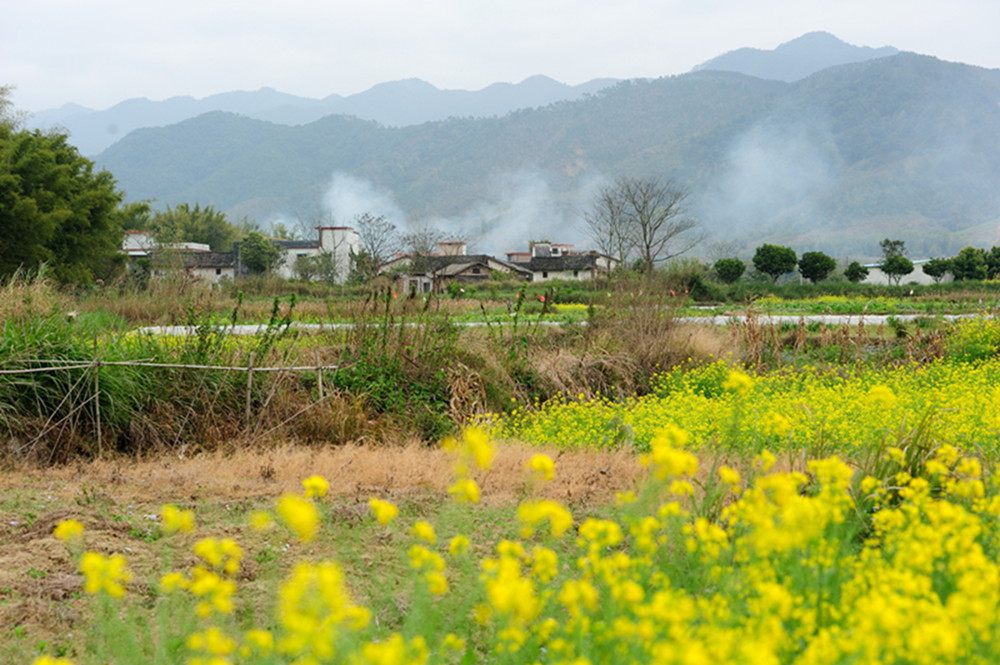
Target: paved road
x=828, y=319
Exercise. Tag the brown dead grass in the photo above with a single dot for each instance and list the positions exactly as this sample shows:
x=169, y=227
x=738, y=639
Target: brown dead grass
x=117, y=500
x=352, y=470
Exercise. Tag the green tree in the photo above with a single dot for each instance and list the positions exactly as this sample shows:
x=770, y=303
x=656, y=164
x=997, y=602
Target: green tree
x=774, y=260
x=855, y=272
x=729, y=270
x=969, y=263
x=184, y=223
x=54, y=207
x=259, y=254
x=895, y=265
x=936, y=269
x=136, y=216
x=892, y=248
x=321, y=267
x=816, y=266
x=993, y=263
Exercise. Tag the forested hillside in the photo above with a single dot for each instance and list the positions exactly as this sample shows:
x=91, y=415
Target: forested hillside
x=906, y=146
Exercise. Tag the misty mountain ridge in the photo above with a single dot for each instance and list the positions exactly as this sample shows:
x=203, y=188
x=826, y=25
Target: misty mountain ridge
x=903, y=146
x=414, y=101
x=795, y=60
x=393, y=104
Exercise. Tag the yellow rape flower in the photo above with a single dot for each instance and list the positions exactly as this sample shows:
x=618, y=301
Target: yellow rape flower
x=729, y=475
x=737, y=382
x=107, y=574
x=474, y=449
x=315, y=487
x=437, y=583
x=422, y=558
x=882, y=396
x=300, y=516
x=453, y=642
x=600, y=533
x=212, y=641
x=384, y=511
x=533, y=513
x=394, y=650
x=256, y=640
x=764, y=461
x=173, y=581
x=224, y=554
x=49, y=660
x=215, y=591
x=775, y=424
x=68, y=531
x=465, y=490
x=458, y=545
x=175, y=519
x=261, y=520
x=666, y=455
x=542, y=466
x=424, y=531
x=479, y=447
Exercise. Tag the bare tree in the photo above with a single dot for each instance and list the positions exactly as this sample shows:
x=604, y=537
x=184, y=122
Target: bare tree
x=658, y=220
x=642, y=218
x=608, y=224
x=378, y=241
x=423, y=240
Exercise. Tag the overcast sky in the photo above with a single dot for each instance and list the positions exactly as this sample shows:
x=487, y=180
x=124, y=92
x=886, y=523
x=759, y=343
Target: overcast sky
x=100, y=52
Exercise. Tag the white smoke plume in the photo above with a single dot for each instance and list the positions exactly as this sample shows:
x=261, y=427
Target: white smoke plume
x=772, y=174
x=520, y=208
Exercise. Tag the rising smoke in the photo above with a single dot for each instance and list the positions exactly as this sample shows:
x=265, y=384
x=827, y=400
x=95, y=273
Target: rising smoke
x=520, y=207
x=773, y=178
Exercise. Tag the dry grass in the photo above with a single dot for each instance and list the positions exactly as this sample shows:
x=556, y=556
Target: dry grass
x=353, y=471
x=118, y=499
x=23, y=295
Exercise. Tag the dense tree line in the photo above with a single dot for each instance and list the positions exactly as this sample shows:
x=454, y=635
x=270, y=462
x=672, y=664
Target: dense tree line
x=55, y=207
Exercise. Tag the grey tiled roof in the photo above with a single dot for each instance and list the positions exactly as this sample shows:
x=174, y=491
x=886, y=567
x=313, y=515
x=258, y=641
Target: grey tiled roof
x=561, y=263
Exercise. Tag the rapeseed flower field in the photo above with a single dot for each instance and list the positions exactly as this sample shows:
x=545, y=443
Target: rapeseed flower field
x=824, y=564
x=843, y=410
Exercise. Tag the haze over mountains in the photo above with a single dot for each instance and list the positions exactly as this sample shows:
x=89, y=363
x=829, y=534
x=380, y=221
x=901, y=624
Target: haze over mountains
x=789, y=146
x=394, y=104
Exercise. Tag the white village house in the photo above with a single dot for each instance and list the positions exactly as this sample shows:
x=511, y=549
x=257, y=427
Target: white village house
x=451, y=263
x=918, y=276
x=548, y=261
x=421, y=274
x=338, y=242
x=196, y=260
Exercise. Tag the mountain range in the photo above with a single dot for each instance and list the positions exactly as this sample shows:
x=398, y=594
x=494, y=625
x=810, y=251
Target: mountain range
x=891, y=145
x=393, y=104
x=413, y=101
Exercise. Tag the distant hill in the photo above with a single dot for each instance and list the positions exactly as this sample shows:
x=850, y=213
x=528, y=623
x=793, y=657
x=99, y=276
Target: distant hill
x=905, y=146
x=795, y=60
x=394, y=104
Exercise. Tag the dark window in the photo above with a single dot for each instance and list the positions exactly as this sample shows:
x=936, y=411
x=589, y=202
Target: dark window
x=545, y=274
x=475, y=271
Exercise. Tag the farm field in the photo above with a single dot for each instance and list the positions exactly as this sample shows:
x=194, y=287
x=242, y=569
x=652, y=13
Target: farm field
x=637, y=490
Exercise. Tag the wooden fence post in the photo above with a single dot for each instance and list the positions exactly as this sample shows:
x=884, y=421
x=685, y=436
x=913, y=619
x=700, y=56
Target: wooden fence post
x=249, y=413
